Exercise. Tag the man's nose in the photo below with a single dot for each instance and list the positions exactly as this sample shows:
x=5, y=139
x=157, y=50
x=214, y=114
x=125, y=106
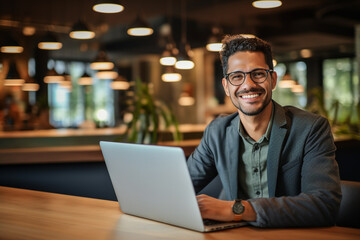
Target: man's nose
x=248, y=81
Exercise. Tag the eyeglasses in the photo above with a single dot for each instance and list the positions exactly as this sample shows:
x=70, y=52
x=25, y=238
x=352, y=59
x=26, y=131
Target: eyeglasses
x=257, y=75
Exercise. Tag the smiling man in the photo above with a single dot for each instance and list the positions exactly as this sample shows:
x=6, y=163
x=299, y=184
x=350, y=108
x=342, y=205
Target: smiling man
x=276, y=164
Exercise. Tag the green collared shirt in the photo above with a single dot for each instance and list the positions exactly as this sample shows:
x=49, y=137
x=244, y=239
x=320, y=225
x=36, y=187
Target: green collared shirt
x=252, y=164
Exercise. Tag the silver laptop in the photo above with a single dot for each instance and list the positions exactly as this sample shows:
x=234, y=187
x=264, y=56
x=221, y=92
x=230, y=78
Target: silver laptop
x=153, y=182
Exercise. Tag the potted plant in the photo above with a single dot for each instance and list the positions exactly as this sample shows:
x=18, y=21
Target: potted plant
x=149, y=117
x=346, y=128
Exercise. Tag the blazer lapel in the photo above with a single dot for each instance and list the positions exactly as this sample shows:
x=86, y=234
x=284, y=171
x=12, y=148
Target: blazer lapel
x=277, y=137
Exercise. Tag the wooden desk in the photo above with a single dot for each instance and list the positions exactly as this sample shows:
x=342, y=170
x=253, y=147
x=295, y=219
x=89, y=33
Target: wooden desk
x=26, y=214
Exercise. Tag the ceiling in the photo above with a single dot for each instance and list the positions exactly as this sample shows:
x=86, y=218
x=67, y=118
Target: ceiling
x=320, y=25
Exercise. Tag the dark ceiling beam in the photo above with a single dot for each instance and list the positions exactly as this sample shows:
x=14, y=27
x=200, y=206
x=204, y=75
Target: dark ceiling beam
x=300, y=21
x=347, y=10
x=305, y=27
x=197, y=35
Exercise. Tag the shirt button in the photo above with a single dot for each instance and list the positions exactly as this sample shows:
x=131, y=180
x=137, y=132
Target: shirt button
x=256, y=170
x=257, y=192
x=256, y=147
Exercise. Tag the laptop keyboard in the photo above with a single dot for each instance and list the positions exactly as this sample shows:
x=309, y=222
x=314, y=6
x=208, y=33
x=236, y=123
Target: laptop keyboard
x=209, y=222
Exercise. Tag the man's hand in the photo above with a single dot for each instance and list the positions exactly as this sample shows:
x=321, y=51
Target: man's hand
x=215, y=209
x=220, y=210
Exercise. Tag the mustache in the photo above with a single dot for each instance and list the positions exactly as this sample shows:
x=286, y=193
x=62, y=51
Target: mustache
x=251, y=90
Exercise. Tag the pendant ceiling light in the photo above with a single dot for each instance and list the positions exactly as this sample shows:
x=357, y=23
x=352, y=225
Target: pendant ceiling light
x=13, y=78
x=102, y=62
x=186, y=97
x=108, y=6
x=107, y=74
x=306, y=53
x=186, y=100
x=30, y=85
x=28, y=30
x=287, y=81
x=66, y=83
x=140, y=28
x=183, y=58
x=297, y=88
x=10, y=45
x=168, y=57
x=53, y=77
x=85, y=80
x=170, y=75
x=49, y=42
x=66, y=77
x=120, y=84
x=214, y=42
x=81, y=31
x=267, y=3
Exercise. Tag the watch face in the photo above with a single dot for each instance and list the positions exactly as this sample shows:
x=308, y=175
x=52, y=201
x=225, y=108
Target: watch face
x=238, y=208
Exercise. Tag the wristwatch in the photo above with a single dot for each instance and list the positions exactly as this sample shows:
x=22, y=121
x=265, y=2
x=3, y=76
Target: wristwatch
x=238, y=209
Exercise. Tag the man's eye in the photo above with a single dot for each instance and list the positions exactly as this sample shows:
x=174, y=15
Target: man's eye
x=258, y=74
x=237, y=76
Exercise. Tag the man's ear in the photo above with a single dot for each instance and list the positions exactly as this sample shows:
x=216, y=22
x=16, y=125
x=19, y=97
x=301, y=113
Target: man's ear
x=273, y=79
x=224, y=83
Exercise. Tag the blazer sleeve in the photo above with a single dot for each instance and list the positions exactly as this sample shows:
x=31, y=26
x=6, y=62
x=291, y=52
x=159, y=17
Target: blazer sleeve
x=319, y=196
x=201, y=164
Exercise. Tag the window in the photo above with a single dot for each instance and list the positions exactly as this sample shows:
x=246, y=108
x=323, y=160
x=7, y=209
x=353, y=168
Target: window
x=287, y=96
x=341, y=89
x=71, y=107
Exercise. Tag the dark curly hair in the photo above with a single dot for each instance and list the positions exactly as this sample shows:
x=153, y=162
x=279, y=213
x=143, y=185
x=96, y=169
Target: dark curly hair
x=236, y=43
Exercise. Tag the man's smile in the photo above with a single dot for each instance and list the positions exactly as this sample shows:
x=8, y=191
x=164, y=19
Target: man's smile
x=250, y=96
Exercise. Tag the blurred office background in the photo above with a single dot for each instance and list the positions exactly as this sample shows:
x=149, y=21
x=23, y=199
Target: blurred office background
x=314, y=44
x=54, y=92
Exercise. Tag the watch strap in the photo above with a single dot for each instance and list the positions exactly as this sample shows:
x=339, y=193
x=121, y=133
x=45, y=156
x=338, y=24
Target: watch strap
x=237, y=217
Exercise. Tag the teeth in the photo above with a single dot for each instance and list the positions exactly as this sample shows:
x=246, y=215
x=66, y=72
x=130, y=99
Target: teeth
x=251, y=96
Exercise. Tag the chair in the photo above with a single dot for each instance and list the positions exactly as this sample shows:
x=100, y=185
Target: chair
x=349, y=213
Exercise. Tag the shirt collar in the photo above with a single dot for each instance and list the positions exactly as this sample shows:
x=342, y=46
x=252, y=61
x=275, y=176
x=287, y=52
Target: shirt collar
x=266, y=136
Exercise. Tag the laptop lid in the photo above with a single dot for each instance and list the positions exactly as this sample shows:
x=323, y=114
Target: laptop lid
x=153, y=182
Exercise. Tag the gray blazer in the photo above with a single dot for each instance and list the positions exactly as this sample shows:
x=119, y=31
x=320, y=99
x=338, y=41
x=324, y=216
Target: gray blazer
x=303, y=176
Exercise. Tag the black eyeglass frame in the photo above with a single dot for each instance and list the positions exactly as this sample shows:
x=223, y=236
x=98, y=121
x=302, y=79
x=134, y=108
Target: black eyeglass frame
x=245, y=73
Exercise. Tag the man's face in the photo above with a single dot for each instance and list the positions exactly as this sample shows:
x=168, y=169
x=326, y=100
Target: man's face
x=250, y=98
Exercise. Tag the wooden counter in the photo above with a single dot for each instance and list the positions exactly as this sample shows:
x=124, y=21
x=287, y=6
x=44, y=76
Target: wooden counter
x=27, y=214
x=63, y=154
x=76, y=145
x=91, y=153
x=82, y=137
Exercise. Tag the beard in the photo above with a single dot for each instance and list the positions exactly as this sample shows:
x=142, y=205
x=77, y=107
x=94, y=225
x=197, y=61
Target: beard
x=254, y=111
x=258, y=111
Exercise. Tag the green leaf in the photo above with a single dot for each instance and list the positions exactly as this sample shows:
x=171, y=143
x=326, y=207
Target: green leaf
x=147, y=114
